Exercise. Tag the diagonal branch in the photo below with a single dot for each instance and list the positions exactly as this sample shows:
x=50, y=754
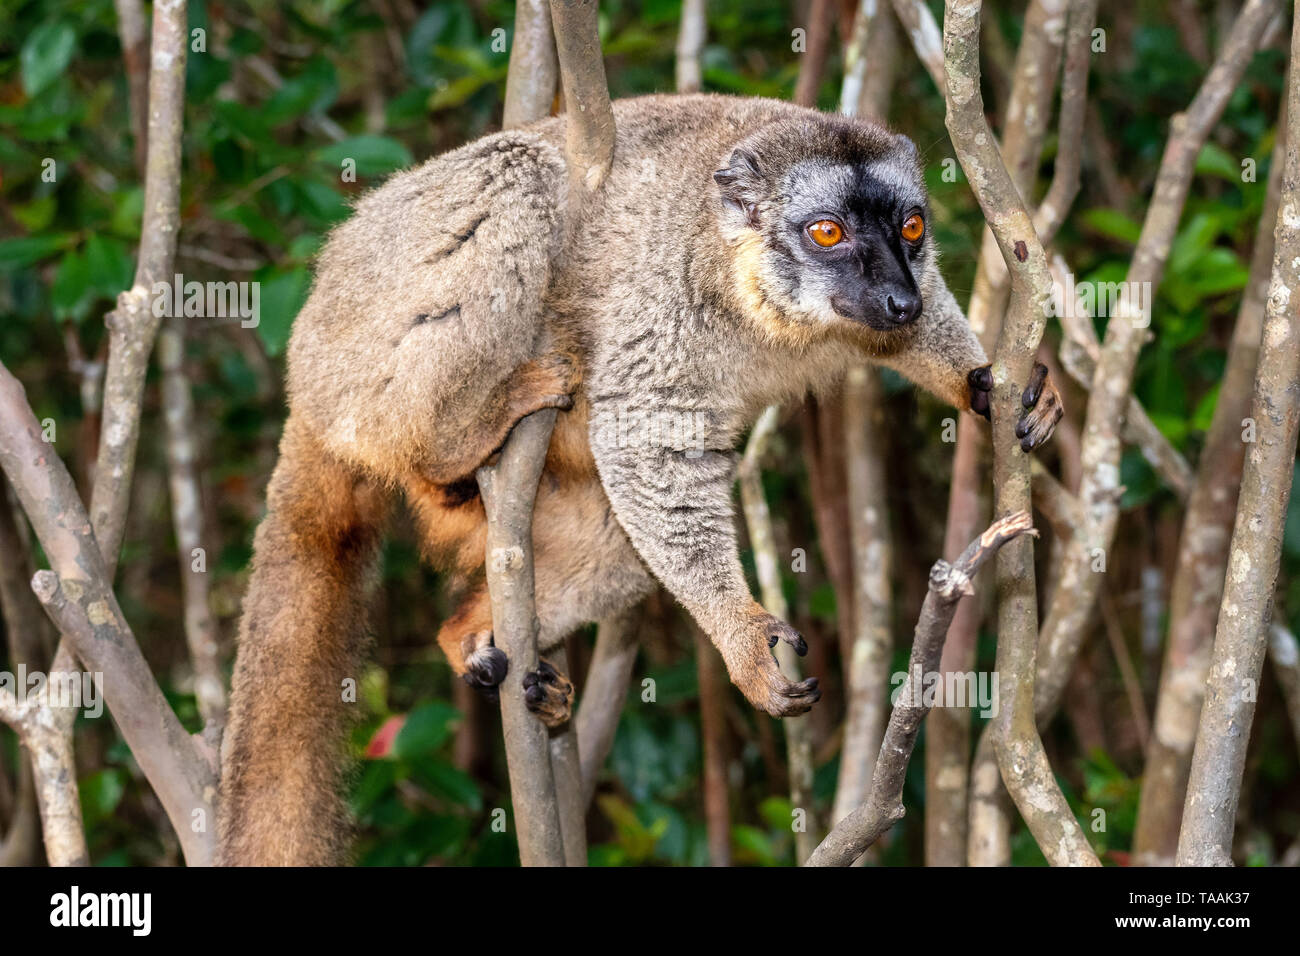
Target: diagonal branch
x=948, y=584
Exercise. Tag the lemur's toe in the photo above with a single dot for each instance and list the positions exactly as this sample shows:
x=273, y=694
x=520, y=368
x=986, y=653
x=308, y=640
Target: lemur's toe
x=794, y=699
x=980, y=381
x=486, y=668
x=1043, y=409
x=548, y=694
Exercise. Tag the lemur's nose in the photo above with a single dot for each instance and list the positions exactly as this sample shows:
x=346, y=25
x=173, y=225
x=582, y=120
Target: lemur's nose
x=903, y=307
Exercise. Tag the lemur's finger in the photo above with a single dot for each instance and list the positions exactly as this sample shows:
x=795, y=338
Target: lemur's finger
x=1035, y=387
x=780, y=631
x=979, y=404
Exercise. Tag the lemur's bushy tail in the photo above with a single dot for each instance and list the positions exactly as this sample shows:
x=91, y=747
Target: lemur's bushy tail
x=301, y=639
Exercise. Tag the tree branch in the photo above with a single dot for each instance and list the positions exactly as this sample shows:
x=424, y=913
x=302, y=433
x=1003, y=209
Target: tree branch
x=759, y=522
x=948, y=584
x=589, y=118
x=79, y=601
x=1025, y=769
x=1241, y=635
x=509, y=488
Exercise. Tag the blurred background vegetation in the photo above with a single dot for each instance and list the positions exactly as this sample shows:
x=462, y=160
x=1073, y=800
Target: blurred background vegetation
x=283, y=91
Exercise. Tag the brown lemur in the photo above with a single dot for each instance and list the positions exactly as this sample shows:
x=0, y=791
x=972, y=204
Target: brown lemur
x=740, y=253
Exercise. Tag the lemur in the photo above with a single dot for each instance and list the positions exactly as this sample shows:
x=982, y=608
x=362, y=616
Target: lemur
x=740, y=253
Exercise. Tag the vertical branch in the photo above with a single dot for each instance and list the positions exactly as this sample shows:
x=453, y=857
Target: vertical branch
x=812, y=61
x=690, y=43
x=1241, y=636
x=135, y=52
x=559, y=792
x=1024, y=765
x=927, y=41
x=533, y=71
x=759, y=522
x=1126, y=331
x=187, y=516
x=868, y=666
x=509, y=488
x=44, y=752
x=603, y=695
x=566, y=768
x=45, y=729
x=589, y=118
x=713, y=730
x=1203, y=560
x=132, y=326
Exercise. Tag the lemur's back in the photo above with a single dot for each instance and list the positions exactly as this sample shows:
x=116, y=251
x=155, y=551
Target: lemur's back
x=432, y=294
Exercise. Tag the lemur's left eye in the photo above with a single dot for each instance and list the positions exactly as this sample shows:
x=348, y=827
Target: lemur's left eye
x=826, y=232
x=913, y=228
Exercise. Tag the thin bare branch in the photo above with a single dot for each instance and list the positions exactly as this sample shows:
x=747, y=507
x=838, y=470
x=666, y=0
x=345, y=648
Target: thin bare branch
x=1241, y=635
x=1203, y=561
x=948, y=584
x=759, y=522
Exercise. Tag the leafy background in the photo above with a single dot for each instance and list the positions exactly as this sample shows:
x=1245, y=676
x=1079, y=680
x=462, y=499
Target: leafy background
x=400, y=81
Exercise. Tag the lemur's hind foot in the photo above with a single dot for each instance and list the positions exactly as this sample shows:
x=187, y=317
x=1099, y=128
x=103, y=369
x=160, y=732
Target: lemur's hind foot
x=549, y=695
x=486, y=667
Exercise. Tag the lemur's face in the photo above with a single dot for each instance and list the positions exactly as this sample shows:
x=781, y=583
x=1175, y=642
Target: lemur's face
x=844, y=234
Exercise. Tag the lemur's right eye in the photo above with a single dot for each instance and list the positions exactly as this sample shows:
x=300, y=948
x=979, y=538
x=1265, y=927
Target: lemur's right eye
x=826, y=232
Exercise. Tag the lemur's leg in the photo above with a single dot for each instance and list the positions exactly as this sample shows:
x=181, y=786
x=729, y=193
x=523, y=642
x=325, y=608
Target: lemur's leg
x=676, y=509
x=585, y=569
x=301, y=637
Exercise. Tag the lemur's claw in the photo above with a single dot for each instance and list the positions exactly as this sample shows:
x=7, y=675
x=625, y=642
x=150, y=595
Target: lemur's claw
x=548, y=694
x=486, y=668
x=1043, y=409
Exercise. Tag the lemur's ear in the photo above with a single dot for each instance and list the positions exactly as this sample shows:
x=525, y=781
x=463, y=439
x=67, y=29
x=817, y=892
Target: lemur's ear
x=908, y=147
x=741, y=183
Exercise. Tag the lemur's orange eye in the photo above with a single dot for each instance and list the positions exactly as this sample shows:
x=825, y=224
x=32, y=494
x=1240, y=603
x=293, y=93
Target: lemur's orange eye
x=826, y=232
x=913, y=228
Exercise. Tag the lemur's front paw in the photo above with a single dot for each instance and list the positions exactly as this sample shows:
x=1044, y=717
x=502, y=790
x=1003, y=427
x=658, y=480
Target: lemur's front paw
x=1043, y=409
x=1041, y=400
x=761, y=679
x=486, y=668
x=549, y=695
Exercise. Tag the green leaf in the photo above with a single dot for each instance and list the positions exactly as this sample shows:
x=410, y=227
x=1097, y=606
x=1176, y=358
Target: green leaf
x=1204, y=412
x=46, y=55
x=1112, y=224
x=72, y=294
x=281, y=298
x=1192, y=242
x=1213, y=160
x=426, y=729
x=17, y=254
x=450, y=783
x=109, y=265
x=373, y=155
x=101, y=792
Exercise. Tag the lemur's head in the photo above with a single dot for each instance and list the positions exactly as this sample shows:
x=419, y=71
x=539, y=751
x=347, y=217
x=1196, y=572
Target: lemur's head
x=829, y=220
